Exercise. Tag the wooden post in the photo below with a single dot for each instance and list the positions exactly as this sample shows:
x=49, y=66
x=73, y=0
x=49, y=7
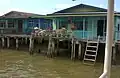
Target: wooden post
x=22, y=40
x=3, y=42
x=49, y=46
x=79, y=51
x=57, y=51
x=8, y=42
x=73, y=49
x=114, y=54
x=69, y=45
x=17, y=43
x=25, y=40
x=31, y=45
x=53, y=48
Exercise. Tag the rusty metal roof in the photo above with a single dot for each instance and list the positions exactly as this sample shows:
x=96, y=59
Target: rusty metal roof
x=16, y=14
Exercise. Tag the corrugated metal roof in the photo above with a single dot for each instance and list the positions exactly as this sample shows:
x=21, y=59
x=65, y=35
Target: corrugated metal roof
x=82, y=6
x=82, y=14
x=16, y=14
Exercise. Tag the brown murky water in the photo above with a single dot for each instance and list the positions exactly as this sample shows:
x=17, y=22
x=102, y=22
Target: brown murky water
x=19, y=64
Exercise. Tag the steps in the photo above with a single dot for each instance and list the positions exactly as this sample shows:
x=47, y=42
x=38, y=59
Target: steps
x=91, y=52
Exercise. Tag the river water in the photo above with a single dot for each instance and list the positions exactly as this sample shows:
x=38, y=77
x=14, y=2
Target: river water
x=19, y=64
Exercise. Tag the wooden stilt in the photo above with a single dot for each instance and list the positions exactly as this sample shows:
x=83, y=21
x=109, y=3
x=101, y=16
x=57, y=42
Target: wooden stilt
x=79, y=51
x=8, y=42
x=57, y=49
x=73, y=49
x=53, y=48
x=22, y=41
x=49, y=46
x=26, y=40
x=114, y=55
x=31, y=45
x=3, y=42
x=17, y=43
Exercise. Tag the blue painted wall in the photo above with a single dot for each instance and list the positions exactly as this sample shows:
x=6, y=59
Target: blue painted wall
x=42, y=23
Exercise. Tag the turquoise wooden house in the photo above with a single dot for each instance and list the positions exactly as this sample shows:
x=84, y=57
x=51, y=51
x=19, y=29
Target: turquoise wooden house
x=89, y=21
x=16, y=22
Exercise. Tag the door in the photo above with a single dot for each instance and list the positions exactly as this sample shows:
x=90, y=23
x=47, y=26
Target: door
x=20, y=26
x=100, y=25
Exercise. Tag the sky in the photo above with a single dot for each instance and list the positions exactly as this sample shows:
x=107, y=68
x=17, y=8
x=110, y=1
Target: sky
x=48, y=6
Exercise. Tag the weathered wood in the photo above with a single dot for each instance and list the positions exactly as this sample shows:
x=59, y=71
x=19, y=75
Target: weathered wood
x=17, y=43
x=26, y=39
x=73, y=49
x=69, y=45
x=57, y=48
x=8, y=42
x=114, y=54
x=49, y=46
x=53, y=48
x=3, y=42
x=31, y=45
x=79, y=51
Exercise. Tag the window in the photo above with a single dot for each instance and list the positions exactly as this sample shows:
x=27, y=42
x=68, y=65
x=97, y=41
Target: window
x=30, y=23
x=10, y=24
x=63, y=24
x=80, y=24
x=2, y=23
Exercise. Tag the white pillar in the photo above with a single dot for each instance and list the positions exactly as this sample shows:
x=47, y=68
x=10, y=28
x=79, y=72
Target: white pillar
x=84, y=28
x=109, y=38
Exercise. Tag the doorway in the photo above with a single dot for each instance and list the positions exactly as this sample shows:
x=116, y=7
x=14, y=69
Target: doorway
x=20, y=26
x=100, y=25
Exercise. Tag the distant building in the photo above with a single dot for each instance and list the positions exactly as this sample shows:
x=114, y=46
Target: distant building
x=16, y=22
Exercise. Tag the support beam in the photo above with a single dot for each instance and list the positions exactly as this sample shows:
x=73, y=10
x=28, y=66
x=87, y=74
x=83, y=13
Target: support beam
x=26, y=39
x=57, y=49
x=73, y=49
x=3, y=42
x=8, y=42
x=17, y=43
x=80, y=50
x=49, y=45
x=53, y=48
x=114, y=54
x=31, y=45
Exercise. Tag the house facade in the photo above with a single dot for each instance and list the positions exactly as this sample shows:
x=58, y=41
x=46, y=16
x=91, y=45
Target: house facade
x=88, y=21
x=21, y=23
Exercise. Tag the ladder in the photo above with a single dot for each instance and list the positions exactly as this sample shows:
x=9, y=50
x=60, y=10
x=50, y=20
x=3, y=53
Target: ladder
x=91, y=52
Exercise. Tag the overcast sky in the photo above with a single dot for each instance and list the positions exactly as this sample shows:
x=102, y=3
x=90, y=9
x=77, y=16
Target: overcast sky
x=48, y=6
